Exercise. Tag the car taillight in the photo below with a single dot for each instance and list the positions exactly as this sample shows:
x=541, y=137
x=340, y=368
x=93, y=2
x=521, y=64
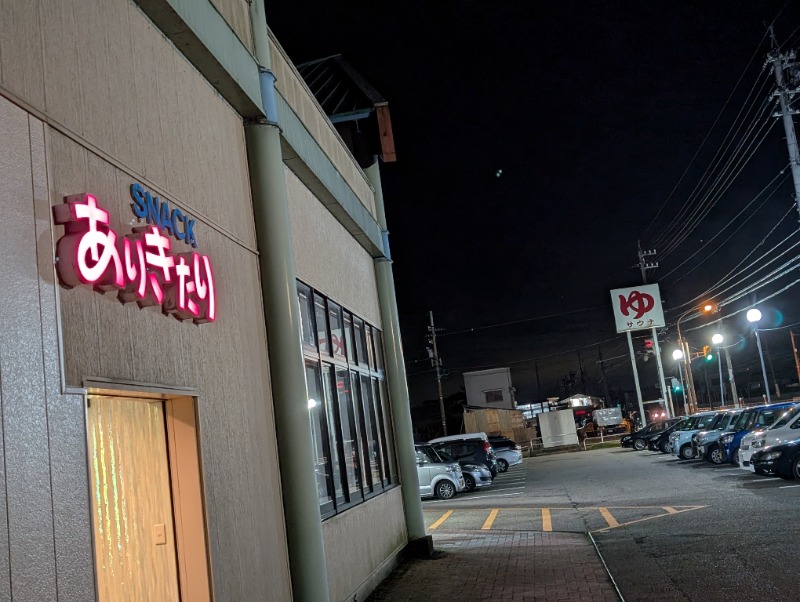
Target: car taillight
x=486, y=447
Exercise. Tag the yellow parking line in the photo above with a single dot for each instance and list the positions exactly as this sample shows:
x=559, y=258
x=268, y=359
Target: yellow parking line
x=490, y=520
x=612, y=522
x=438, y=523
x=670, y=509
x=547, y=523
x=646, y=518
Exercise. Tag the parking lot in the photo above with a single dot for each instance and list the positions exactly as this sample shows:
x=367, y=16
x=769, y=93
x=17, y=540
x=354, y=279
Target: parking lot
x=668, y=529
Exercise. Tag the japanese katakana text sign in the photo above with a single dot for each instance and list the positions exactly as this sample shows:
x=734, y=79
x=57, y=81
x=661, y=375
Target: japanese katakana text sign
x=140, y=266
x=637, y=308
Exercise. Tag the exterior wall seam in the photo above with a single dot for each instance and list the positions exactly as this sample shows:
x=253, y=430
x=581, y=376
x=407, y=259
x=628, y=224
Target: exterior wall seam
x=83, y=142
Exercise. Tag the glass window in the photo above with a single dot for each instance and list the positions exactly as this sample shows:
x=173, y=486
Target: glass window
x=348, y=337
x=494, y=396
x=370, y=350
x=322, y=325
x=362, y=423
x=380, y=421
x=361, y=343
x=389, y=426
x=349, y=434
x=320, y=439
x=337, y=333
x=371, y=438
x=378, y=344
x=335, y=430
x=308, y=334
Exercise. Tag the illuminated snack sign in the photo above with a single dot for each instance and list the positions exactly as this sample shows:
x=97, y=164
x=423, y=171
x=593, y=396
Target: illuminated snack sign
x=140, y=266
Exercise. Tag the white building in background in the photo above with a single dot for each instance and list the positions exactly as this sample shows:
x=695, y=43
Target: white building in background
x=490, y=388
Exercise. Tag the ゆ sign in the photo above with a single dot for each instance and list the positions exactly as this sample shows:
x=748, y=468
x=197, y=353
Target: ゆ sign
x=637, y=308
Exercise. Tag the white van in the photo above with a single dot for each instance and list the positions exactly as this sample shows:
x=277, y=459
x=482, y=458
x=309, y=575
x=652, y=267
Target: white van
x=436, y=476
x=783, y=430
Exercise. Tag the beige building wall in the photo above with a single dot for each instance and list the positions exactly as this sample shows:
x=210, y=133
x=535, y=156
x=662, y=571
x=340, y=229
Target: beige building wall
x=121, y=104
x=328, y=257
x=364, y=542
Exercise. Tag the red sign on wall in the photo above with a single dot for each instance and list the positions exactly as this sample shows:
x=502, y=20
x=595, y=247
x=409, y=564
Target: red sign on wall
x=140, y=266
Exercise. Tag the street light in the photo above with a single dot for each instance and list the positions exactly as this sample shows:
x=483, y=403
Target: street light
x=717, y=340
x=707, y=308
x=754, y=316
x=677, y=355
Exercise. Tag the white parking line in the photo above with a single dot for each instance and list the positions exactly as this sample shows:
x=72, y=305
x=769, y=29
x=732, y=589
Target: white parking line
x=788, y=486
x=472, y=497
x=763, y=480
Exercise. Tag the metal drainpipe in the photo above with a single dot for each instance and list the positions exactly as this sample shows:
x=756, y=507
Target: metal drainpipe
x=396, y=376
x=282, y=315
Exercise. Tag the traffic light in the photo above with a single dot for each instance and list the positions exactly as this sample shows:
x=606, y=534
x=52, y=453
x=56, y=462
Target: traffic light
x=676, y=385
x=649, y=349
x=707, y=353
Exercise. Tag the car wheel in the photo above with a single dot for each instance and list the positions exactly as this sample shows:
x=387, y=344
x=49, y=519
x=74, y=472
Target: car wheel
x=662, y=447
x=687, y=453
x=502, y=465
x=445, y=489
x=469, y=482
x=715, y=455
x=796, y=469
x=735, y=457
x=639, y=444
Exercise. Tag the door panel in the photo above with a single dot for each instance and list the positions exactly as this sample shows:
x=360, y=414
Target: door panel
x=132, y=504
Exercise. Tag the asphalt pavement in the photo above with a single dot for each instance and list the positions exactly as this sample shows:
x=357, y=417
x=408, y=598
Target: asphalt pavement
x=666, y=529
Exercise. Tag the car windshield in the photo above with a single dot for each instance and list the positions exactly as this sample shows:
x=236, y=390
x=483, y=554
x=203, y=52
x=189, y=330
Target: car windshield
x=704, y=421
x=727, y=421
x=787, y=417
x=425, y=453
x=691, y=423
x=718, y=420
x=765, y=418
x=743, y=419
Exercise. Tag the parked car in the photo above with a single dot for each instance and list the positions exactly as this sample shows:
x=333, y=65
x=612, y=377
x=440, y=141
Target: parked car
x=638, y=440
x=476, y=476
x=660, y=441
x=680, y=439
x=784, y=429
x=473, y=446
x=782, y=460
x=507, y=457
x=437, y=476
x=706, y=443
x=499, y=442
x=751, y=419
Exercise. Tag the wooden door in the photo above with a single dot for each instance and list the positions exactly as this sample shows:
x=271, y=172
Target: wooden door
x=131, y=501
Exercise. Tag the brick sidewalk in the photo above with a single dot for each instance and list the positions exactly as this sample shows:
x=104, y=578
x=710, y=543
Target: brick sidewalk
x=519, y=566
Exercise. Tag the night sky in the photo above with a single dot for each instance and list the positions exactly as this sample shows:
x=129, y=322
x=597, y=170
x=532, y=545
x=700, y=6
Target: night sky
x=593, y=111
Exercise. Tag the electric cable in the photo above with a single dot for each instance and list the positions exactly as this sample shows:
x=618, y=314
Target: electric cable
x=725, y=227
x=705, y=139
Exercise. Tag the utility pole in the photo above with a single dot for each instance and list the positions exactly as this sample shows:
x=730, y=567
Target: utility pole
x=734, y=392
x=772, y=368
x=580, y=372
x=438, y=365
x=787, y=80
x=645, y=264
x=796, y=359
x=605, y=378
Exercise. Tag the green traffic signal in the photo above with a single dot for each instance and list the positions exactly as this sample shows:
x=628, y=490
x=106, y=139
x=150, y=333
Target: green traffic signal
x=709, y=357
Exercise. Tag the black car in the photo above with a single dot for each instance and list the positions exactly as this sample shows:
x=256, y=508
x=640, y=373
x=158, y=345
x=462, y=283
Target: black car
x=782, y=460
x=660, y=441
x=498, y=442
x=638, y=440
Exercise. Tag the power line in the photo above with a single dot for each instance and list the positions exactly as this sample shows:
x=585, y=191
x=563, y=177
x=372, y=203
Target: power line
x=725, y=227
x=705, y=139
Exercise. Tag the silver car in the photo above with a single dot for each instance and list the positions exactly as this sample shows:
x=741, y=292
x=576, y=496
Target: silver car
x=476, y=476
x=436, y=475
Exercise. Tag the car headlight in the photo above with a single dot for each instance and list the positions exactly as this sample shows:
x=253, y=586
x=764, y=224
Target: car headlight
x=454, y=467
x=727, y=439
x=771, y=455
x=471, y=467
x=758, y=443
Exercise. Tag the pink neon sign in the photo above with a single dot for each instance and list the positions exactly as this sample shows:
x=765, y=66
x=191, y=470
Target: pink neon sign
x=139, y=265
